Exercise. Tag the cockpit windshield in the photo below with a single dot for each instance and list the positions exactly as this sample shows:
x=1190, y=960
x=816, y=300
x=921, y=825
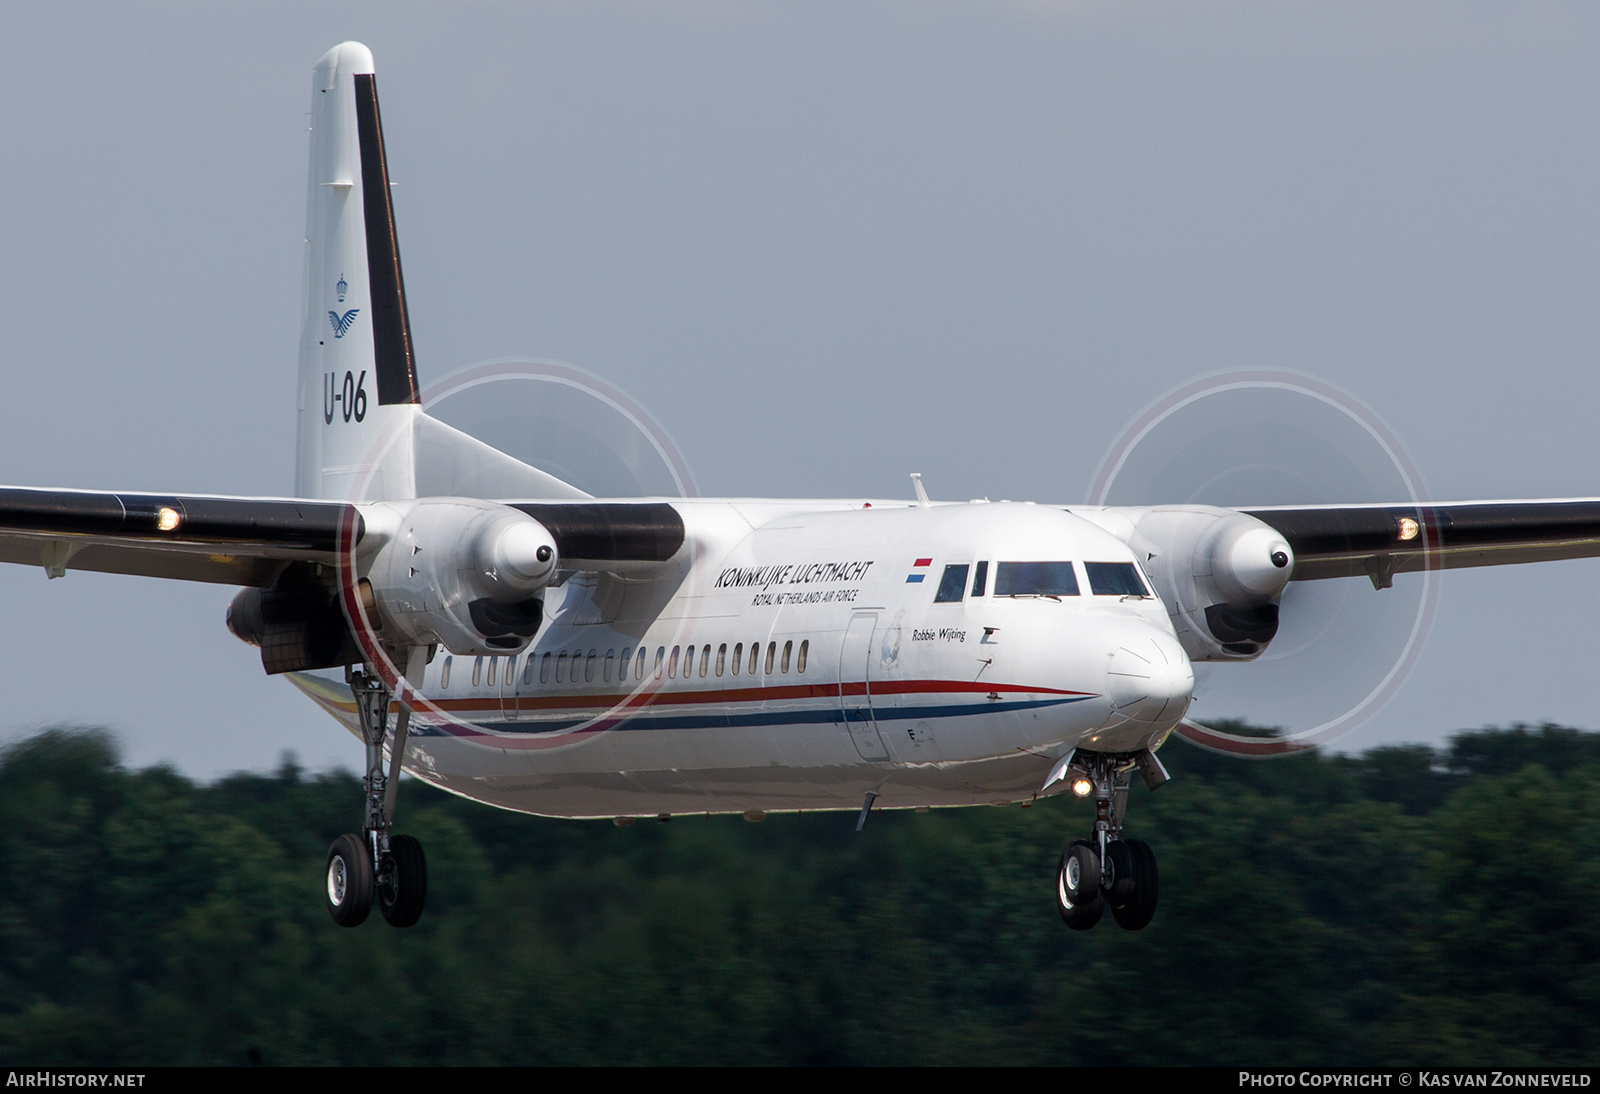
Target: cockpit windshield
x=1115, y=579
x=1035, y=579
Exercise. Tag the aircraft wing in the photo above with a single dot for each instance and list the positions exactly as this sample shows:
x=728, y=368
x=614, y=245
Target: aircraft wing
x=1378, y=541
x=229, y=541
x=249, y=541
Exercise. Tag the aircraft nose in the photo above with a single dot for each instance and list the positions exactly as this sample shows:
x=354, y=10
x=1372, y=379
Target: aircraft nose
x=1149, y=678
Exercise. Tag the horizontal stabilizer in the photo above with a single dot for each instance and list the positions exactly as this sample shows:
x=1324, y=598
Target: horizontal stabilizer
x=453, y=464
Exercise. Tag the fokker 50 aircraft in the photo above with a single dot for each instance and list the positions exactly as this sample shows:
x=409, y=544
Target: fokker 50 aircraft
x=495, y=631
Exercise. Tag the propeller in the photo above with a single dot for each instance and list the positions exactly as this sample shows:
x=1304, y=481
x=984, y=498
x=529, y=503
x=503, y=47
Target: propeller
x=1259, y=439
x=566, y=422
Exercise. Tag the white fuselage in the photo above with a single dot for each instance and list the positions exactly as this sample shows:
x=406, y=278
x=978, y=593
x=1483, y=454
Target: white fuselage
x=793, y=656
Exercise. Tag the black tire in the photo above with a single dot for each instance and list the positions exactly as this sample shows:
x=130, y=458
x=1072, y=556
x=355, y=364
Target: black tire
x=1078, y=874
x=1136, y=914
x=349, y=881
x=404, y=890
x=1078, y=898
x=1085, y=916
x=1119, y=878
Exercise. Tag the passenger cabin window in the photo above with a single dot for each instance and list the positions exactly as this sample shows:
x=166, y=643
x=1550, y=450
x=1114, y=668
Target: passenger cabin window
x=788, y=648
x=1115, y=579
x=772, y=653
x=544, y=667
x=622, y=666
x=661, y=653
x=980, y=579
x=951, y=585
x=444, y=673
x=477, y=671
x=738, y=656
x=588, y=667
x=672, y=662
x=755, y=654
x=1035, y=579
x=611, y=657
x=561, y=667
x=805, y=650
x=722, y=657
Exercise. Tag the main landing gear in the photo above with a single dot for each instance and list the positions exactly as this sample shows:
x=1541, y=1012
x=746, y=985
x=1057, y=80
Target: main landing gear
x=1106, y=869
x=377, y=864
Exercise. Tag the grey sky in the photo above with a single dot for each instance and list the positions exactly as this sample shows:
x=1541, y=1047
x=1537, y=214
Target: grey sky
x=826, y=244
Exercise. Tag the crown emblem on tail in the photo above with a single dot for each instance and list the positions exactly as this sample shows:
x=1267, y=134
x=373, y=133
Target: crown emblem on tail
x=341, y=287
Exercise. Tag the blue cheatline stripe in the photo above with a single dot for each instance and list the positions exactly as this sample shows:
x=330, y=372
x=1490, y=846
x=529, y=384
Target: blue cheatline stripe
x=914, y=578
x=813, y=716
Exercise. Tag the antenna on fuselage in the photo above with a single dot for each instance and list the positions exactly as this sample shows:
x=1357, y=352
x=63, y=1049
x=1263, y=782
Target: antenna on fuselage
x=922, y=495
x=866, y=810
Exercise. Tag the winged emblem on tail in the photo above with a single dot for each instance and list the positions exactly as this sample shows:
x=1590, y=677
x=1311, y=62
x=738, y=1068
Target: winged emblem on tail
x=341, y=323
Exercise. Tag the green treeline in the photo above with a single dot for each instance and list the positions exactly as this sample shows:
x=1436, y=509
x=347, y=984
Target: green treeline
x=1409, y=906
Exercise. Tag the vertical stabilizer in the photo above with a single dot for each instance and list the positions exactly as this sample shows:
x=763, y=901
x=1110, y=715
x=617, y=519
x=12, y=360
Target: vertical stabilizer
x=358, y=376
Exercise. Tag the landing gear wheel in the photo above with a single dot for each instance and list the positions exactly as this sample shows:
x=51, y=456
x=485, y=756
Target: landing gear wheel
x=349, y=881
x=1135, y=885
x=1079, y=875
x=403, y=889
x=1078, y=898
x=1119, y=876
x=1081, y=917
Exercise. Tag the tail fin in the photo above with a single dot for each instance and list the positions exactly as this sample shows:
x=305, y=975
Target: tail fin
x=358, y=377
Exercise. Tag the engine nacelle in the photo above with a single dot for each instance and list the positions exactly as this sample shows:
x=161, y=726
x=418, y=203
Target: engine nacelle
x=1219, y=572
x=296, y=621
x=467, y=574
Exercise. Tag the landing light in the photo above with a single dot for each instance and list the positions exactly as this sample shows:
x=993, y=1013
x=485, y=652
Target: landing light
x=166, y=518
x=1408, y=528
x=1081, y=787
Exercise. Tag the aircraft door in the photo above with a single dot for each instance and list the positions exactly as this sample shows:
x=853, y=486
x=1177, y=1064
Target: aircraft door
x=855, y=690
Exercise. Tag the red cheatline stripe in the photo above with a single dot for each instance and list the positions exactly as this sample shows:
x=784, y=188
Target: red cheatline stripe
x=531, y=703
x=490, y=703
x=923, y=562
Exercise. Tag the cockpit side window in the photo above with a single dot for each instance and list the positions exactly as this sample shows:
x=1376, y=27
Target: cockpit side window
x=952, y=585
x=1035, y=579
x=1115, y=579
x=980, y=578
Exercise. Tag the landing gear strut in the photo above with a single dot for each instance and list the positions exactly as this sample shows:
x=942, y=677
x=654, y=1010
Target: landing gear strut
x=376, y=863
x=1107, y=869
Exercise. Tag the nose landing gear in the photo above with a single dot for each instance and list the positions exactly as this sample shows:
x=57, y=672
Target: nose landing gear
x=375, y=863
x=1079, y=898
x=1107, y=870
